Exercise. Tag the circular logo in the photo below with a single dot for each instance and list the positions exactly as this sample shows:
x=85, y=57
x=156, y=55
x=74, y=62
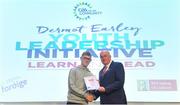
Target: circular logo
x=82, y=11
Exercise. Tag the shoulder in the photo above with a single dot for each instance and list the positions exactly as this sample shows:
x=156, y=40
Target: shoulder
x=117, y=63
x=75, y=69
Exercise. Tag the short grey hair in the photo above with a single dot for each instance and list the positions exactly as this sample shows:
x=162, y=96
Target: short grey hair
x=87, y=53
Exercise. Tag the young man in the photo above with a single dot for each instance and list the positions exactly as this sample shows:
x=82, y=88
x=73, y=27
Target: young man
x=77, y=93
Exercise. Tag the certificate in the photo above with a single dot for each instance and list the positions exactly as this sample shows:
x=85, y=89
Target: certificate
x=91, y=83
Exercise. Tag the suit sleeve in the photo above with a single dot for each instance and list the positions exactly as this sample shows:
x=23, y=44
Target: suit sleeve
x=118, y=79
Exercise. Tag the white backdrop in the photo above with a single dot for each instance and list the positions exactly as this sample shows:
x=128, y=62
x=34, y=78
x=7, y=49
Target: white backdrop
x=40, y=40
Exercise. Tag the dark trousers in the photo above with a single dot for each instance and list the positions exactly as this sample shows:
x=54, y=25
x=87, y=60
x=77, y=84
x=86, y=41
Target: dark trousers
x=72, y=103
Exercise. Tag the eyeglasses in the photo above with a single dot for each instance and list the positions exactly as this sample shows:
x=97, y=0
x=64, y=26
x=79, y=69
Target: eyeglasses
x=87, y=58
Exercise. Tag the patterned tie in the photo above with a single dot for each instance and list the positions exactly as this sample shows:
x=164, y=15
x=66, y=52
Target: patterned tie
x=104, y=69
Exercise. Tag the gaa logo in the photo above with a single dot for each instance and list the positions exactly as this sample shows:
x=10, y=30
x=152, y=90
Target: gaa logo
x=83, y=11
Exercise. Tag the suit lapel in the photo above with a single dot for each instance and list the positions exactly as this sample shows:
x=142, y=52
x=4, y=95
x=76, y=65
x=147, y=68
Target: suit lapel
x=102, y=77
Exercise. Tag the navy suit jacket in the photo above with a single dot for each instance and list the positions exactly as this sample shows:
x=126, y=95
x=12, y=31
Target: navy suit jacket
x=113, y=81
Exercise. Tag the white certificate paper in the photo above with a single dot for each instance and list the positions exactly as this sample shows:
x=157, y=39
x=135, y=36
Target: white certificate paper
x=91, y=82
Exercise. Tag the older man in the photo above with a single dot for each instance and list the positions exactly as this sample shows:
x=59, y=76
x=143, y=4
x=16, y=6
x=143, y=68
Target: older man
x=111, y=79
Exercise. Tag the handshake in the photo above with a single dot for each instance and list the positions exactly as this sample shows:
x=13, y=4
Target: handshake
x=89, y=97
